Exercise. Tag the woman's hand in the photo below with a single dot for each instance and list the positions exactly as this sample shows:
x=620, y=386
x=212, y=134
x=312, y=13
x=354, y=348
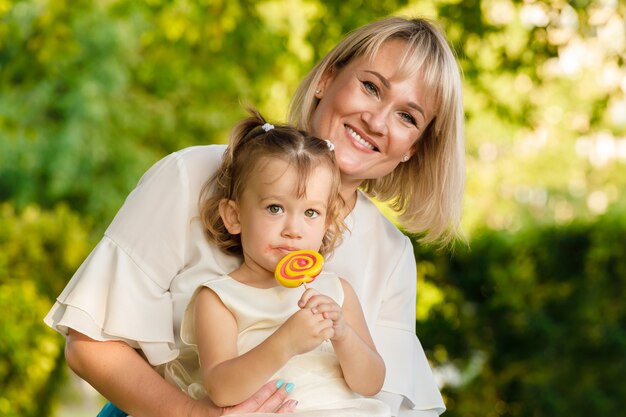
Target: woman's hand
x=328, y=308
x=268, y=399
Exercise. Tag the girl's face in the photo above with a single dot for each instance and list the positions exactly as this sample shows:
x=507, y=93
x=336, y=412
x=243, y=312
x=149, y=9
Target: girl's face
x=372, y=115
x=273, y=221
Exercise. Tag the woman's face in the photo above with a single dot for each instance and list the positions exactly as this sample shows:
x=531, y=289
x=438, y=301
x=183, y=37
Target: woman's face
x=371, y=114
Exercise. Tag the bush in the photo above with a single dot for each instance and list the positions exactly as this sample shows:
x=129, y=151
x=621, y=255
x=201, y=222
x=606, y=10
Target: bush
x=38, y=252
x=531, y=323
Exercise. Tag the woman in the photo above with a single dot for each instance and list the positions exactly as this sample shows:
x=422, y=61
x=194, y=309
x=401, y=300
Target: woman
x=389, y=97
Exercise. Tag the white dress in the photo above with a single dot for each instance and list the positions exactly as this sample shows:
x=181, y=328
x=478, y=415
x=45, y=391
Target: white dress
x=135, y=284
x=319, y=384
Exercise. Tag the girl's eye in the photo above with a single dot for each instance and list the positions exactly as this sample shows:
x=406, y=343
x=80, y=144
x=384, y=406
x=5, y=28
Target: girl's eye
x=370, y=87
x=274, y=209
x=408, y=118
x=310, y=213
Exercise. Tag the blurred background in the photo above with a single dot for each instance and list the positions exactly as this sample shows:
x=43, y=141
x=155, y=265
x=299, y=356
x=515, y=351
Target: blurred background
x=527, y=319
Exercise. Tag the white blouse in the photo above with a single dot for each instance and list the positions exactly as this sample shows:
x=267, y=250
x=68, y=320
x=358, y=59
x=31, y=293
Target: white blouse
x=135, y=284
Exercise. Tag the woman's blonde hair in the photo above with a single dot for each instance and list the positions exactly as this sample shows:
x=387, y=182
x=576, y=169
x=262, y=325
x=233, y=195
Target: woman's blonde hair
x=426, y=191
x=250, y=145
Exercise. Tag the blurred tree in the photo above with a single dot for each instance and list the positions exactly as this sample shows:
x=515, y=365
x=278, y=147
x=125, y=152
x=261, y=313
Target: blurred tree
x=94, y=92
x=38, y=251
x=545, y=95
x=531, y=323
x=64, y=81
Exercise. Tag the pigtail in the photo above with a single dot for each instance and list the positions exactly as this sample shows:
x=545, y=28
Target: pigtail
x=222, y=185
x=245, y=130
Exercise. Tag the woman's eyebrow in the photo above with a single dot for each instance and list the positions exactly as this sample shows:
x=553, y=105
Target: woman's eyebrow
x=417, y=107
x=382, y=79
x=387, y=84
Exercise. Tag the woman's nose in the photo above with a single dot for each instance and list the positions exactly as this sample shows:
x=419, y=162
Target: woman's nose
x=376, y=120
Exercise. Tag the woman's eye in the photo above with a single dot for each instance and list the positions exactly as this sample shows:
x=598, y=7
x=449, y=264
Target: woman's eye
x=311, y=213
x=408, y=118
x=370, y=87
x=274, y=209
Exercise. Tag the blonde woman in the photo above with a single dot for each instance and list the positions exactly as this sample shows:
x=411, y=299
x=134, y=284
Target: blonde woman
x=389, y=97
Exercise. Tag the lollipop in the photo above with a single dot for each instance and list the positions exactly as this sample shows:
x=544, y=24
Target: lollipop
x=298, y=267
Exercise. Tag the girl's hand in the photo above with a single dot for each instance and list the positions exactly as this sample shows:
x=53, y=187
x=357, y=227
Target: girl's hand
x=328, y=308
x=305, y=330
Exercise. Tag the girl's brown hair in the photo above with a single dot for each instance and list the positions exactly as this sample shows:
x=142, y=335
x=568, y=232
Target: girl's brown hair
x=249, y=145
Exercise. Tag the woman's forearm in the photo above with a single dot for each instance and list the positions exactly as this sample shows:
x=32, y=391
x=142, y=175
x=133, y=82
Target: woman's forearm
x=119, y=373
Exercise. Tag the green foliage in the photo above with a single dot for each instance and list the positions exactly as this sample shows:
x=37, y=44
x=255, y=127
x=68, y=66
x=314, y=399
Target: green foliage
x=532, y=323
x=535, y=101
x=93, y=93
x=64, y=109
x=30, y=355
x=38, y=251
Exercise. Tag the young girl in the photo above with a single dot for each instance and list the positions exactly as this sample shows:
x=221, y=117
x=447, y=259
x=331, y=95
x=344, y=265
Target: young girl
x=276, y=192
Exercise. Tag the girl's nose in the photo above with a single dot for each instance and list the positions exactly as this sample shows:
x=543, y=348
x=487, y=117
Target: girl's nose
x=292, y=229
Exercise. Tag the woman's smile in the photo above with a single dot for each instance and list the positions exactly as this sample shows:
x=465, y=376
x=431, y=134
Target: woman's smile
x=358, y=138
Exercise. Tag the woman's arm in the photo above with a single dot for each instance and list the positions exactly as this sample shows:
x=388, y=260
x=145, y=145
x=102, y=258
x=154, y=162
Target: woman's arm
x=119, y=373
x=362, y=366
x=228, y=377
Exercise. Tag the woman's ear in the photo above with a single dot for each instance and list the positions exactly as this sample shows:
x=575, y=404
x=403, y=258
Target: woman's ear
x=324, y=82
x=229, y=212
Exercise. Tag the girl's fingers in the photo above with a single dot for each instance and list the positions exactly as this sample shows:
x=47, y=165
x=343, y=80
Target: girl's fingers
x=327, y=333
x=327, y=307
x=324, y=325
x=317, y=299
x=306, y=296
x=332, y=315
x=329, y=311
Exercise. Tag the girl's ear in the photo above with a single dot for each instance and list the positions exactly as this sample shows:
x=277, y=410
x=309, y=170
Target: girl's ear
x=229, y=212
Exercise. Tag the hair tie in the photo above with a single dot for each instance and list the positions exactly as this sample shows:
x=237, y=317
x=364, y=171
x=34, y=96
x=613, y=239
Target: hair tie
x=267, y=127
x=331, y=146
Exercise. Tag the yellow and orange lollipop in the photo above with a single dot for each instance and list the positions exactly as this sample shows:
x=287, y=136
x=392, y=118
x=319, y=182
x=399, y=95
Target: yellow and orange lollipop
x=298, y=267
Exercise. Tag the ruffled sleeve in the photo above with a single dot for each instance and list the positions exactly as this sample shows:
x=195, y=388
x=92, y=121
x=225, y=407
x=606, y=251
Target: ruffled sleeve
x=408, y=371
x=122, y=290
x=110, y=297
